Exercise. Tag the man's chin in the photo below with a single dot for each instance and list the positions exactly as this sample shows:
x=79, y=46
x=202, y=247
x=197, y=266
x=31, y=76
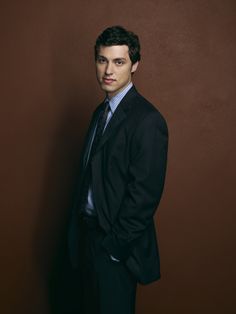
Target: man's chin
x=107, y=89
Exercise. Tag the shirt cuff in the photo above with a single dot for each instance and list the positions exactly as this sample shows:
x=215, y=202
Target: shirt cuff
x=114, y=259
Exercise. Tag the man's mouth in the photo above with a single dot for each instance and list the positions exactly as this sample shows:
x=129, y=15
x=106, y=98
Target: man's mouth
x=108, y=80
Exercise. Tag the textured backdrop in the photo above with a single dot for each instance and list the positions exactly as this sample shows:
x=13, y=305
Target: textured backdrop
x=48, y=92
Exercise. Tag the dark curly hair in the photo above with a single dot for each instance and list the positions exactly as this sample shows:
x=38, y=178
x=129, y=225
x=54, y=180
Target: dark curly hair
x=118, y=35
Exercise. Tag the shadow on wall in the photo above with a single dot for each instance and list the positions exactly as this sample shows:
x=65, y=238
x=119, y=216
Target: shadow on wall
x=61, y=167
x=57, y=193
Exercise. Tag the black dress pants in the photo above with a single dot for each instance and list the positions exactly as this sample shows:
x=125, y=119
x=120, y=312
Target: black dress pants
x=99, y=285
x=108, y=287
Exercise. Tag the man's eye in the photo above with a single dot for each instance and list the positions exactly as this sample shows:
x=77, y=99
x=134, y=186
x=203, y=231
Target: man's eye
x=101, y=60
x=119, y=62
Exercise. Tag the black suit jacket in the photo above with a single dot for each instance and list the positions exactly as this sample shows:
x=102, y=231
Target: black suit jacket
x=128, y=173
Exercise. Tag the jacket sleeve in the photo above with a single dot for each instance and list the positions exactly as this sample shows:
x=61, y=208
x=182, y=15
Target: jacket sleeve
x=144, y=188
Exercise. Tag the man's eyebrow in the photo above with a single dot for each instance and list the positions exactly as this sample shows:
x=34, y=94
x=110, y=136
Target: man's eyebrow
x=115, y=59
x=118, y=59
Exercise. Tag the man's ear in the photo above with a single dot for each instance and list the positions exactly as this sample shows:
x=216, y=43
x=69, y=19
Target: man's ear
x=134, y=67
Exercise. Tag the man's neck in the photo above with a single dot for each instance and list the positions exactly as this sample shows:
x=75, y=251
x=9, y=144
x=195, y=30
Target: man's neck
x=110, y=96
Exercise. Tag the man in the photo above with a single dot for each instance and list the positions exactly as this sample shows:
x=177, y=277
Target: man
x=112, y=239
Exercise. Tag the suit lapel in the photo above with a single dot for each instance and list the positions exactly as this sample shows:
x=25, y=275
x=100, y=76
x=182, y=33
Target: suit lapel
x=119, y=115
x=89, y=136
x=117, y=118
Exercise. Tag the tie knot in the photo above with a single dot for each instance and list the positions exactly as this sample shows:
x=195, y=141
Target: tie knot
x=106, y=105
x=106, y=102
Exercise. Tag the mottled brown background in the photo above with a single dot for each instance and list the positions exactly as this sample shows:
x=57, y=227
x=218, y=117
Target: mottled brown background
x=48, y=91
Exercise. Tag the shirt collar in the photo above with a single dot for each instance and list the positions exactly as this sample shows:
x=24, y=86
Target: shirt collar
x=115, y=100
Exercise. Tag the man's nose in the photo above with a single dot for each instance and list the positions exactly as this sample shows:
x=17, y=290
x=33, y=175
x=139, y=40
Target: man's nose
x=109, y=68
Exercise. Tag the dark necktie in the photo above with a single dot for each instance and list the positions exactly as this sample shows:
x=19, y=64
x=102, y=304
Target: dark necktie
x=96, y=140
x=100, y=128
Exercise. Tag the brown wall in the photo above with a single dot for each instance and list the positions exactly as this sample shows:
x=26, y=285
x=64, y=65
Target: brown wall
x=48, y=91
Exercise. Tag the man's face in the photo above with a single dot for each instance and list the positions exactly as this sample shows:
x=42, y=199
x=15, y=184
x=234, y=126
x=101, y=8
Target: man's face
x=114, y=68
